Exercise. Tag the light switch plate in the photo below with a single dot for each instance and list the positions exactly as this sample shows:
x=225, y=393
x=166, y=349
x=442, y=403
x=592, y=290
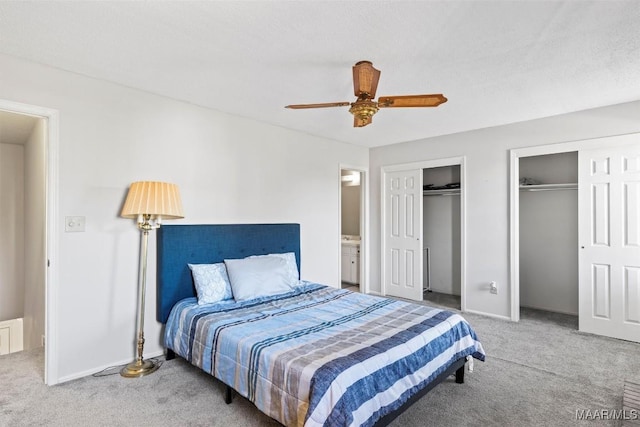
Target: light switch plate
x=74, y=223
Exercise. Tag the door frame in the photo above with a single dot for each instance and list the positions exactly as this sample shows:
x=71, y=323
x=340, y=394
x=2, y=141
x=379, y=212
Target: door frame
x=51, y=237
x=364, y=224
x=514, y=197
x=428, y=164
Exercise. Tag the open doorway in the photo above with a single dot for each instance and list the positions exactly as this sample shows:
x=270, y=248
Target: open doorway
x=351, y=229
x=544, y=229
x=607, y=171
x=441, y=219
x=22, y=223
x=408, y=243
x=37, y=285
x=548, y=217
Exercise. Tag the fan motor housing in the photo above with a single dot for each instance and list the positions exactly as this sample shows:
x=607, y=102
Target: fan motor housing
x=364, y=109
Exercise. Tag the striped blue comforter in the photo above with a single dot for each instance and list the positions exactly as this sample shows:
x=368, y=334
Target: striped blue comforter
x=318, y=355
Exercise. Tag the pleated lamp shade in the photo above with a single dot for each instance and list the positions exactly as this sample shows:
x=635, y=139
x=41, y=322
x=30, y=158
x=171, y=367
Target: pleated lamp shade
x=159, y=199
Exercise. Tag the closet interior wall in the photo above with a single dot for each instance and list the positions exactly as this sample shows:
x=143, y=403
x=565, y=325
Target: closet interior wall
x=549, y=232
x=12, y=230
x=441, y=229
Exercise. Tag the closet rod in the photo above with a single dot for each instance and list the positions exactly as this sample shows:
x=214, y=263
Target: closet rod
x=548, y=187
x=440, y=193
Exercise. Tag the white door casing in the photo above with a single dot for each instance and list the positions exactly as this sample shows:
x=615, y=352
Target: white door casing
x=402, y=234
x=345, y=264
x=609, y=235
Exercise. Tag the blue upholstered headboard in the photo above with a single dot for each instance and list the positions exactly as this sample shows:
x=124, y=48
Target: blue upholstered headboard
x=179, y=245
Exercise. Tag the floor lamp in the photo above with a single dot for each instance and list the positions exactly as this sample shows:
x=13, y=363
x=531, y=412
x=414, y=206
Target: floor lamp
x=149, y=202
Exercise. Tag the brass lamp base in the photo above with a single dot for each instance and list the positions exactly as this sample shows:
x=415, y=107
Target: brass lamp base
x=139, y=368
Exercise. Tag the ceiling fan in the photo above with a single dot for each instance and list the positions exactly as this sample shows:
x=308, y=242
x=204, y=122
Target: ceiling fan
x=365, y=84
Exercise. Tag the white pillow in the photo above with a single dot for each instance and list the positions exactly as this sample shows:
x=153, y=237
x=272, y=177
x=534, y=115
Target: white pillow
x=292, y=267
x=257, y=277
x=211, y=281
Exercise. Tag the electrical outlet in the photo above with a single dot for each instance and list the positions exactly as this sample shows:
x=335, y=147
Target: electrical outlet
x=493, y=287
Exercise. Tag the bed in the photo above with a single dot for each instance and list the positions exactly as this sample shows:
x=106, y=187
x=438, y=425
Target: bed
x=310, y=354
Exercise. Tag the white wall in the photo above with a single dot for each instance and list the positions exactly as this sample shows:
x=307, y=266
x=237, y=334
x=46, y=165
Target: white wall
x=229, y=170
x=548, y=250
x=558, y=168
x=486, y=154
x=11, y=231
x=35, y=257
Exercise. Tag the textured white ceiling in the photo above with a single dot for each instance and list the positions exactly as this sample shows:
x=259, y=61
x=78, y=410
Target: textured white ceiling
x=497, y=62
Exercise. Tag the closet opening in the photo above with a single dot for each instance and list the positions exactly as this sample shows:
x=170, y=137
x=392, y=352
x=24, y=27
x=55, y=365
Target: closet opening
x=441, y=251
x=548, y=229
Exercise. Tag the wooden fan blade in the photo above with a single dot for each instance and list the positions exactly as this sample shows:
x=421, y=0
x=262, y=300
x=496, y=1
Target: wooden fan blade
x=358, y=122
x=365, y=79
x=325, y=105
x=411, y=101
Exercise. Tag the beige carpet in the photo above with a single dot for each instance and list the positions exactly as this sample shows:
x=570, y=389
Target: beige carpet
x=539, y=372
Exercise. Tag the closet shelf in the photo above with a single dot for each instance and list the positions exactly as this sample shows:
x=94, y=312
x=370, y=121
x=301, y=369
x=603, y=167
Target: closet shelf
x=549, y=187
x=442, y=192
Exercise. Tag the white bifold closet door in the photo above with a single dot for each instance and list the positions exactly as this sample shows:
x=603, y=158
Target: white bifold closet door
x=609, y=236
x=402, y=234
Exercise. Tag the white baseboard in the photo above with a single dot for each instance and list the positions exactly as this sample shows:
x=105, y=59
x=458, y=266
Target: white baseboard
x=549, y=310
x=482, y=313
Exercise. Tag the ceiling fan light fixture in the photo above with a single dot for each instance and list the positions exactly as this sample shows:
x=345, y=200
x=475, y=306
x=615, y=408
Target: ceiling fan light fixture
x=364, y=111
x=365, y=84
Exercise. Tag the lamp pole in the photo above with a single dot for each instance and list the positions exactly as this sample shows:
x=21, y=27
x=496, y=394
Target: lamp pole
x=141, y=367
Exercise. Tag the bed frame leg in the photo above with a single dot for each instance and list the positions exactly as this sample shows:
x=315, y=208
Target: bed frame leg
x=460, y=374
x=228, y=395
x=170, y=354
